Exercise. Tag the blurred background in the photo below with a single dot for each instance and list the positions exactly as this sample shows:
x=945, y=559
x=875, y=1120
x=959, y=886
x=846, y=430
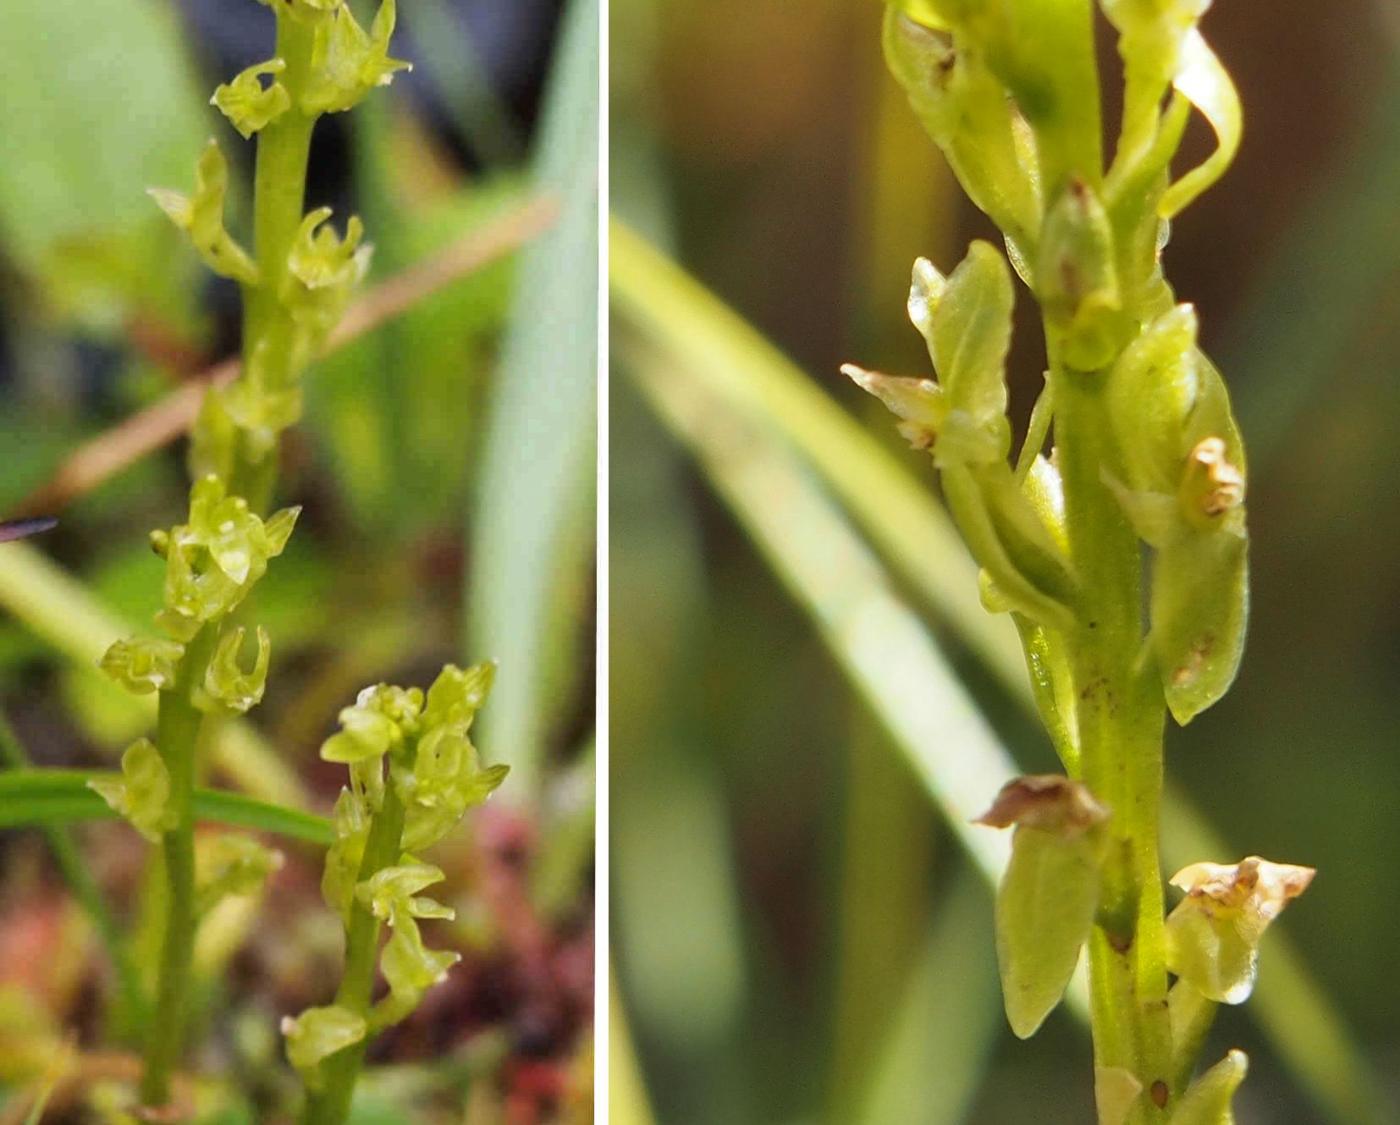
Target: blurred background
x=446, y=466
x=798, y=935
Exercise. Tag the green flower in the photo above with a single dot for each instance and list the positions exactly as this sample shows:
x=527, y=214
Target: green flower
x=226, y=686
x=322, y=272
x=317, y=1034
x=1213, y=933
x=215, y=559
x=201, y=216
x=446, y=779
x=381, y=718
x=143, y=664
x=249, y=105
x=409, y=967
x=1049, y=892
x=142, y=795
x=347, y=63
x=457, y=695
x=391, y=893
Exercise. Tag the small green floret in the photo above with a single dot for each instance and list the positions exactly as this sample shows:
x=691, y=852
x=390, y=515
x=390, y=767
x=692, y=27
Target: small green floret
x=201, y=216
x=142, y=796
x=247, y=103
x=143, y=664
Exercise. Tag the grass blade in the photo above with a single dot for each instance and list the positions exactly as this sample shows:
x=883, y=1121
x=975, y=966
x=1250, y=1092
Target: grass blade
x=531, y=538
x=898, y=512
x=890, y=657
x=39, y=797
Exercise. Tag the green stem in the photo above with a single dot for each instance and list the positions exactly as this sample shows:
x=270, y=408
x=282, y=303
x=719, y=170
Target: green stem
x=331, y=1104
x=177, y=736
x=1120, y=714
x=279, y=192
x=270, y=359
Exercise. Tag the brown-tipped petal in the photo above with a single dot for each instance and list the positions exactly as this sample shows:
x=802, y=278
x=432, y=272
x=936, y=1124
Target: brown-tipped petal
x=1263, y=887
x=1049, y=802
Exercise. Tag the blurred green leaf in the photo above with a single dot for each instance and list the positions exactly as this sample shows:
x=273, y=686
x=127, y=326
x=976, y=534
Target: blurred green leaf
x=98, y=105
x=396, y=408
x=455, y=64
x=531, y=537
x=627, y=1093
x=1290, y=341
x=948, y=1011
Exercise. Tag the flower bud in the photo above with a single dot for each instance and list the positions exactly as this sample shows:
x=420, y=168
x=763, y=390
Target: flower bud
x=1208, y=1100
x=1007, y=537
x=1151, y=393
x=965, y=110
x=1049, y=894
x=1076, y=279
x=1199, y=609
x=965, y=320
x=316, y=1035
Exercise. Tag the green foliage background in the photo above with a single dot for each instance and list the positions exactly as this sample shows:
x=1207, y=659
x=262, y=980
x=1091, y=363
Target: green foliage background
x=798, y=934
x=407, y=443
